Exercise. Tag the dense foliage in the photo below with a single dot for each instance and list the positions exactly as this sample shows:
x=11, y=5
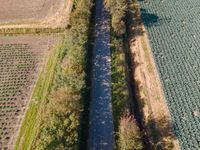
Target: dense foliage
x=118, y=13
x=129, y=134
x=119, y=86
x=120, y=97
x=60, y=126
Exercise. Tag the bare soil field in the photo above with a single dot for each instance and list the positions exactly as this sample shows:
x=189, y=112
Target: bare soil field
x=21, y=59
x=37, y=13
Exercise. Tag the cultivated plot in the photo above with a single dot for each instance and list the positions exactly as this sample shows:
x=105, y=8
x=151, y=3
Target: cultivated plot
x=21, y=59
x=13, y=10
x=173, y=29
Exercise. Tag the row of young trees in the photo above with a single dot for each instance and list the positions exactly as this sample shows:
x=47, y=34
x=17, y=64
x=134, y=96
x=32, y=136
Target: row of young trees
x=59, y=129
x=128, y=133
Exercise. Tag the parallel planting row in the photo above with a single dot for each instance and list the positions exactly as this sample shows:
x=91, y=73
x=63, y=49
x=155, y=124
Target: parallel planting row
x=173, y=29
x=17, y=69
x=20, y=60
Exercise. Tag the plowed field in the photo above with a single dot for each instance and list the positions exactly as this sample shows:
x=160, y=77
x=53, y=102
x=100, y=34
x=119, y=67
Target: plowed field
x=23, y=10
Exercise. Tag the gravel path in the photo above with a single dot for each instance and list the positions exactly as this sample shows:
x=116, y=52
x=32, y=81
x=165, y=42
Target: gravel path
x=101, y=119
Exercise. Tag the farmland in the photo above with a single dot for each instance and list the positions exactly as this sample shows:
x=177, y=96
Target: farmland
x=172, y=28
x=12, y=10
x=34, y=14
x=27, y=64
x=121, y=70
x=21, y=60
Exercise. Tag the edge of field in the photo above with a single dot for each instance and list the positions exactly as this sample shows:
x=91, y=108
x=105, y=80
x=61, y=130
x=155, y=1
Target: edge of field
x=29, y=126
x=154, y=88
x=152, y=103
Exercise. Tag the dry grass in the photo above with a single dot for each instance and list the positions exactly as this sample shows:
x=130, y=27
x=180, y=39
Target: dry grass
x=129, y=134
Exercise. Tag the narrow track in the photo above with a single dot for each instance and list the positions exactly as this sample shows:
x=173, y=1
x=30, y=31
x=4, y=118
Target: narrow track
x=101, y=131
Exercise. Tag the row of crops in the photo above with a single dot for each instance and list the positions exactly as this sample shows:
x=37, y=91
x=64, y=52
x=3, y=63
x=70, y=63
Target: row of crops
x=18, y=67
x=173, y=30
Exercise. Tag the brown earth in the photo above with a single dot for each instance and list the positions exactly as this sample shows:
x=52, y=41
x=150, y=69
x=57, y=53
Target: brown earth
x=15, y=10
x=34, y=14
x=21, y=59
x=155, y=114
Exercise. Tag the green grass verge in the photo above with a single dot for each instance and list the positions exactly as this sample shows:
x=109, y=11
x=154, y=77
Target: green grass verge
x=119, y=85
x=32, y=117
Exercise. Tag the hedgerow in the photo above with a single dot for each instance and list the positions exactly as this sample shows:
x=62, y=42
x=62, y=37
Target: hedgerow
x=60, y=126
x=128, y=133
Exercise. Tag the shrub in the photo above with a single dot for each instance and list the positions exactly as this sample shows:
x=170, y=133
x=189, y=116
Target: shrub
x=129, y=134
x=118, y=11
x=59, y=128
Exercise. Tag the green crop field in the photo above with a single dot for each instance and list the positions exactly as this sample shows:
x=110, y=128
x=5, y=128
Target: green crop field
x=173, y=31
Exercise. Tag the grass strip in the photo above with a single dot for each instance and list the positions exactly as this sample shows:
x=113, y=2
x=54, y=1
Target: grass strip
x=16, y=31
x=32, y=117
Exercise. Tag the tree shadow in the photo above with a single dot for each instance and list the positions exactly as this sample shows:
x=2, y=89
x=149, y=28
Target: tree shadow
x=137, y=17
x=162, y=136
x=134, y=24
x=149, y=19
x=86, y=92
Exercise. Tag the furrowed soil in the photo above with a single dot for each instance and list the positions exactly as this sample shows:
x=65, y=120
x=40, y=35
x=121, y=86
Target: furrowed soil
x=34, y=14
x=12, y=10
x=21, y=59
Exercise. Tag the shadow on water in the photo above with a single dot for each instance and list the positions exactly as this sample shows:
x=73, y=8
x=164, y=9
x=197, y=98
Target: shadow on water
x=86, y=94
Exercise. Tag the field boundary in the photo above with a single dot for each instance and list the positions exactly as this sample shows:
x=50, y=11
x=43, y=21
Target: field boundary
x=16, y=31
x=29, y=126
x=155, y=114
